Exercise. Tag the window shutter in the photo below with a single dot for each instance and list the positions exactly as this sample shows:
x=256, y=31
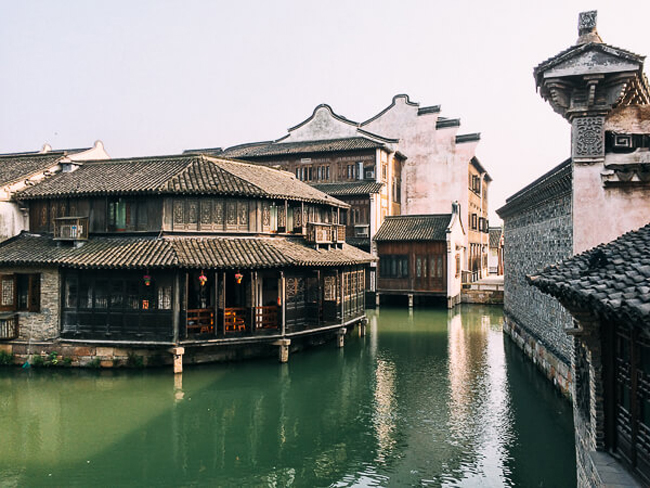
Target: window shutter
x=8, y=293
x=34, y=293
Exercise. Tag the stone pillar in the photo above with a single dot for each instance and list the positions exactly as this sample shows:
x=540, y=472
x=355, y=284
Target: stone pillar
x=178, y=352
x=283, y=349
x=178, y=387
x=377, y=299
x=362, y=327
x=410, y=301
x=340, y=337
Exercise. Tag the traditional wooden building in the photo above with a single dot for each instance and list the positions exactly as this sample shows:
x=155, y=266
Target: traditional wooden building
x=419, y=156
x=601, y=192
x=221, y=258
x=20, y=170
x=607, y=292
x=421, y=255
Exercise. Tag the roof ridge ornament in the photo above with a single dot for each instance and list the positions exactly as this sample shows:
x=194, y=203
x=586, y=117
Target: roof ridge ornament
x=587, y=27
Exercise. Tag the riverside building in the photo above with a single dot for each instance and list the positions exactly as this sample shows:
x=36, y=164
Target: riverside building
x=593, y=340
x=202, y=257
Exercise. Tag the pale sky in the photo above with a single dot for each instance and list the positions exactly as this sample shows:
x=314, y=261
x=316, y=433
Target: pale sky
x=158, y=77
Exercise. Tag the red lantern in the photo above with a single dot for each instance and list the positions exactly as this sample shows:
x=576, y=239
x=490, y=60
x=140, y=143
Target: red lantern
x=238, y=278
x=202, y=279
x=146, y=279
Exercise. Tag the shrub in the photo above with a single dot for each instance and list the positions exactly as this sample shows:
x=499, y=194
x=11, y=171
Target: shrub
x=6, y=359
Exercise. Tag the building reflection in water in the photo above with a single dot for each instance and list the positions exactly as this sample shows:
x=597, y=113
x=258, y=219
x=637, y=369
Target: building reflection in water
x=479, y=415
x=385, y=406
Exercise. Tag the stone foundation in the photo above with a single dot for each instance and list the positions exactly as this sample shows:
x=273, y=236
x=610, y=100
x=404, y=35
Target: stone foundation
x=483, y=293
x=554, y=368
x=107, y=356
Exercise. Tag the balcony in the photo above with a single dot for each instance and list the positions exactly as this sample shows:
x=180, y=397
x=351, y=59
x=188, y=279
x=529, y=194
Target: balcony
x=71, y=229
x=318, y=233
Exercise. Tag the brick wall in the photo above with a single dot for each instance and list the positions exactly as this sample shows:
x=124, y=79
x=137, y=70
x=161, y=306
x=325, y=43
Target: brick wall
x=535, y=236
x=43, y=325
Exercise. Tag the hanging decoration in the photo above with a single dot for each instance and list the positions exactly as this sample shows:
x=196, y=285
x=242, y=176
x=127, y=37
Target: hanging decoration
x=238, y=278
x=146, y=279
x=202, y=278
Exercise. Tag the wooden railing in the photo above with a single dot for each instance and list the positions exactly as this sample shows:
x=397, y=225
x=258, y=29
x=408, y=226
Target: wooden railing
x=9, y=326
x=200, y=321
x=266, y=317
x=235, y=319
x=318, y=233
x=71, y=229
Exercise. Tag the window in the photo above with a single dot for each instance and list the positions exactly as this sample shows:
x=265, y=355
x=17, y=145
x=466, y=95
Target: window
x=474, y=221
x=394, y=266
x=20, y=292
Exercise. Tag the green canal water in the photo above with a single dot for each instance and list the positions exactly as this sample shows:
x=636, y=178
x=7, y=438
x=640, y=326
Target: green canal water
x=427, y=398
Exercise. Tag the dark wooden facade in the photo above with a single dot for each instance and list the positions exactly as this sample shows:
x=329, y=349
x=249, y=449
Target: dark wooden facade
x=413, y=267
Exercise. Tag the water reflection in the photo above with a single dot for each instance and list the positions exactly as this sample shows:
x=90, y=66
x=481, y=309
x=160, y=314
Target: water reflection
x=425, y=398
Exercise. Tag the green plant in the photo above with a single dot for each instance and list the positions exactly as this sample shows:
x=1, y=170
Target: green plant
x=37, y=361
x=6, y=358
x=53, y=359
x=67, y=361
x=96, y=363
x=134, y=361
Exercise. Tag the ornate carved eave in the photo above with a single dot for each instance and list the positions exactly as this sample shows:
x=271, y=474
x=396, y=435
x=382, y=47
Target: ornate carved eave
x=627, y=175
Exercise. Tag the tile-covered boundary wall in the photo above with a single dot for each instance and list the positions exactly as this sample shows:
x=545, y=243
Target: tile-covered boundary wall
x=538, y=230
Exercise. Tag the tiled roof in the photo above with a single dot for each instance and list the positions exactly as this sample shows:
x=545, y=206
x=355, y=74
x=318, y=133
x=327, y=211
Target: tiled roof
x=185, y=252
x=186, y=174
x=17, y=167
x=349, y=188
x=414, y=228
x=495, y=236
x=303, y=147
x=556, y=182
x=580, y=48
x=612, y=278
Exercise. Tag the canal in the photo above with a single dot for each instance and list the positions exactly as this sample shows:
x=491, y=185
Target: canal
x=426, y=398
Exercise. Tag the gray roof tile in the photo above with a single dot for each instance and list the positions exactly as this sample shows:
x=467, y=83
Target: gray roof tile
x=607, y=278
x=414, y=228
x=174, y=251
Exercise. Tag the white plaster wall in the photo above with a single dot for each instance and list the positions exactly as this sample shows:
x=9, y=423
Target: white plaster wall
x=455, y=239
x=12, y=221
x=602, y=214
x=322, y=125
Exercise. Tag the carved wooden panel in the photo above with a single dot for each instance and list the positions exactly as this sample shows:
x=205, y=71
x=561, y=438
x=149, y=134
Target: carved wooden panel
x=217, y=212
x=192, y=211
x=231, y=212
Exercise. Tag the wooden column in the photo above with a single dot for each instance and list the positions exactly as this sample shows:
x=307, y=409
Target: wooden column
x=283, y=296
x=215, y=308
x=223, y=305
x=176, y=306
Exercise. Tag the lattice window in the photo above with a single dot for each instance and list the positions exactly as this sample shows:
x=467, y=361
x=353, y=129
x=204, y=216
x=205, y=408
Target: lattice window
x=242, y=207
x=178, y=211
x=192, y=211
x=329, y=285
x=231, y=213
x=206, y=212
x=218, y=212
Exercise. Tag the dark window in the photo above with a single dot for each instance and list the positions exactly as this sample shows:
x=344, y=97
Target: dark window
x=394, y=266
x=20, y=292
x=474, y=221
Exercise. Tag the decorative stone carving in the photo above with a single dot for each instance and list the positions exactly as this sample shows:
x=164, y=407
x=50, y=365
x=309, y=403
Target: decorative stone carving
x=589, y=137
x=587, y=20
